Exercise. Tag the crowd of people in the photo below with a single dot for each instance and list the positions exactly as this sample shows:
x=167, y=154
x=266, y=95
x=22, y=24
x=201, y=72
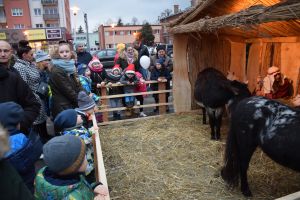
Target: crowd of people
x=62, y=87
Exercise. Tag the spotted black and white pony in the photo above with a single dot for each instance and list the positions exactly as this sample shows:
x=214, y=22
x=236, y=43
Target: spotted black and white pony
x=257, y=121
x=212, y=91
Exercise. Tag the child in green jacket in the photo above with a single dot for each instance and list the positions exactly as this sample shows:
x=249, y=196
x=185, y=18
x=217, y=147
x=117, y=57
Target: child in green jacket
x=62, y=178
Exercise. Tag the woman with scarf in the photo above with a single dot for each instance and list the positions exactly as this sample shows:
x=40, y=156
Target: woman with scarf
x=31, y=75
x=98, y=75
x=128, y=56
x=63, y=80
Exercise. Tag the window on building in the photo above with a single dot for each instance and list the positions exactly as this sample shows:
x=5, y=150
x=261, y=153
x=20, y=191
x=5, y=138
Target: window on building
x=17, y=12
x=39, y=25
x=122, y=33
x=106, y=33
x=156, y=31
x=50, y=11
x=128, y=32
x=37, y=12
x=19, y=26
x=52, y=25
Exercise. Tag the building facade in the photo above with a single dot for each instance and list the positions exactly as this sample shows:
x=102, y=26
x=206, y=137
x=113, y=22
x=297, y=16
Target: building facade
x=26, y=14
x=93, y=40
x=17, y=14
x=110, y=36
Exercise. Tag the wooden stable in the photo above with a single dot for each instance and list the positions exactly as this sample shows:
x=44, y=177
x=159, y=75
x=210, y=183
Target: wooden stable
x=243, y=36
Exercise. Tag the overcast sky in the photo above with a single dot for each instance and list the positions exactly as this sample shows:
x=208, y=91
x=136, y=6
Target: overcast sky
x=100, y=11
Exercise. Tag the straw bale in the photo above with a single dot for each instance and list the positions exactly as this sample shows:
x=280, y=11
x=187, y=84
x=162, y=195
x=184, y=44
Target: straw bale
x=172, y=157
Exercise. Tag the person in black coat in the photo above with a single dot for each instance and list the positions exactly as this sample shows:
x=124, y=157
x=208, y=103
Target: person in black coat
x=143, y=51
x=13, y=88
x=83, y=57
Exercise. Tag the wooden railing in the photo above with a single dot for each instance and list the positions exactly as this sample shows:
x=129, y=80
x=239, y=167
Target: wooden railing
x=162, y=104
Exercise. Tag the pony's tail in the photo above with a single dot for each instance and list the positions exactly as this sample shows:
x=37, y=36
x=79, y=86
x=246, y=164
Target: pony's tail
x=231, y=169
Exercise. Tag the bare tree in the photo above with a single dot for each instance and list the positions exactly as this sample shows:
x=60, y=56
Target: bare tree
x=134, y=21
x=120, y=23
x=168, y=12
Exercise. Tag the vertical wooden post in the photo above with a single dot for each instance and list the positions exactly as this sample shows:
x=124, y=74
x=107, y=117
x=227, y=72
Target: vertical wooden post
x=104, y=102
x=98, y=156
x=162, y=97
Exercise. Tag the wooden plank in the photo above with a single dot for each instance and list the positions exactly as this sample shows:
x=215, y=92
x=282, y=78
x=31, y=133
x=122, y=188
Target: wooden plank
x=118, y=85
x=134, y=94
x=238, y=60
x=290, y=61
x=104, y=101
x=135, y=107
x=274, y=40
x=132, y=119
x=181, y=83
x=162, y=98
x=254, y=64
x=99, y=163
x=293, y=196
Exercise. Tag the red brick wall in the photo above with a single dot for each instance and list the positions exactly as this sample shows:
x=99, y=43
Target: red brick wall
x=11, y=20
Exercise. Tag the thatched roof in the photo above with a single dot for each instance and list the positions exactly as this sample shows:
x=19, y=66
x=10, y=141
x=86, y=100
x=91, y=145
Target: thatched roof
x=270, y=20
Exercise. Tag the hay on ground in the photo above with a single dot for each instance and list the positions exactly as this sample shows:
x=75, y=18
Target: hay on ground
x=172, y=157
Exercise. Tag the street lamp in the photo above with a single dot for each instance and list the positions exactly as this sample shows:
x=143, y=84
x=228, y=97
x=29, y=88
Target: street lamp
x=113, y=26
x=75, y=11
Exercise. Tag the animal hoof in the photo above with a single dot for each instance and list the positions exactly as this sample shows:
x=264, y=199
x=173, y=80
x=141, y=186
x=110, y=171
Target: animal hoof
x=213, y=138
x=247, y=193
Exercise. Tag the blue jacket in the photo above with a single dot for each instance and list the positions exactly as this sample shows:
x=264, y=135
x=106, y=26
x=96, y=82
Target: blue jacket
x=23, y=159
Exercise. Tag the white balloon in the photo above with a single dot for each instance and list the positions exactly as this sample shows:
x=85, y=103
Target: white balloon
x=145, y=62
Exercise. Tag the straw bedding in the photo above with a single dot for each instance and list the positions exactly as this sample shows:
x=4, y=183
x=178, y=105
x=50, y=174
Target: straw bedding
x=172, y=157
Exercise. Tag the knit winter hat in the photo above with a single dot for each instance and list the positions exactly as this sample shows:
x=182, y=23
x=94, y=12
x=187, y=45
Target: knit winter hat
x=273, y=70
x=85, y=102
x=94, y=61
x=65, y=119
x=130, y=69
x=41, y=56
x=78, y=44
x=116, y=68
x=11, y=115
x=64, y=154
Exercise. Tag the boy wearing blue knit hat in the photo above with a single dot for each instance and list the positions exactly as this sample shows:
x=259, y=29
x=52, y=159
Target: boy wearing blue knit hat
x=69, y=122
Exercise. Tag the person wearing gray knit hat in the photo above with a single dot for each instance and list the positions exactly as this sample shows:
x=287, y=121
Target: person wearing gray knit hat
x=65, y=154
x=41, y=55
x=85, y=102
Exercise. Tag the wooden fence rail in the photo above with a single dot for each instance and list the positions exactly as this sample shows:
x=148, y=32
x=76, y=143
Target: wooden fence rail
x=162, y=104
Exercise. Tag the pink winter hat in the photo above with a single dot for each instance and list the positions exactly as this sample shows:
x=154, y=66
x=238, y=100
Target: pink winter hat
x=95, y=60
